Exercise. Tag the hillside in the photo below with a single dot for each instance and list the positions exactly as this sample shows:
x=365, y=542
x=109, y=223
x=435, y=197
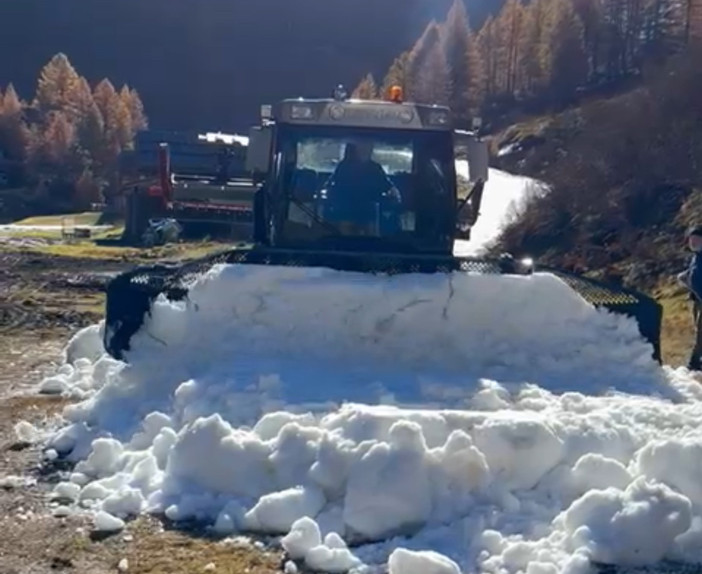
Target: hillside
x=625, y=184
x=624, y=174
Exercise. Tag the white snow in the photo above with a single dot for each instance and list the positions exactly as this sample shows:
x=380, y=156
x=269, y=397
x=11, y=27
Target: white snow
x=13, y=481
x=62, y=511
x=503, y=193
x=69, y=490
x=403, y=561
x=270, y=332
x=26, y=432
x=228, y=139
x=105, y=522
x=434, y=424
x=304, y=541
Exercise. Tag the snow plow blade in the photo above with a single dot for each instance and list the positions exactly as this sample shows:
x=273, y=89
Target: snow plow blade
x=131, y=296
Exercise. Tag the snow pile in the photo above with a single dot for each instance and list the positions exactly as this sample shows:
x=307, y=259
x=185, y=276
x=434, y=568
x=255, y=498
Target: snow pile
x=542, y=480
x=403, y=561
x=408, y=336
x=527, y=460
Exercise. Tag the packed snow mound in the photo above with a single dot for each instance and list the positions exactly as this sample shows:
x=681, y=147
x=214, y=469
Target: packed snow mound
x=410, y=421
x=399, y=334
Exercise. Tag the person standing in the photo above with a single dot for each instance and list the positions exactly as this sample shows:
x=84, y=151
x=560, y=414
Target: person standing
x=691, y=278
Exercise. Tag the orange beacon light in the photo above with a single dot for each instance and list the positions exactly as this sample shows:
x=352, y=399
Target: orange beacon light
x=396, y=94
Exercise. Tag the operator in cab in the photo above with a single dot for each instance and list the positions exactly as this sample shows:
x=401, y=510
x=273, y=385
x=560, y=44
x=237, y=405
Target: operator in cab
x=357, y=187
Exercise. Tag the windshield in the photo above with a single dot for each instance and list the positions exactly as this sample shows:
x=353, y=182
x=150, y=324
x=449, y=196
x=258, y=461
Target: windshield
x=324, y=154
x=341, y=182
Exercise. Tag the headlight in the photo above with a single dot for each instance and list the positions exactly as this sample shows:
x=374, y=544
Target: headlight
x=508, y=264
x=527, y=264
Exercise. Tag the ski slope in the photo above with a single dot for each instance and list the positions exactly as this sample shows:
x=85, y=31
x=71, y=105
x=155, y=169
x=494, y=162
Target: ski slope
x=503, y=191
x=423, y=424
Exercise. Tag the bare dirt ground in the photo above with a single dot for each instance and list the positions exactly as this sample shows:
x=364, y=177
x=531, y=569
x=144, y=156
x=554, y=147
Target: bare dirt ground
x=44, y=299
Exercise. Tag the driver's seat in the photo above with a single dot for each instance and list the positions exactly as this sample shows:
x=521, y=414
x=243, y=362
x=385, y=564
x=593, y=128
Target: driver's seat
x=304, y=185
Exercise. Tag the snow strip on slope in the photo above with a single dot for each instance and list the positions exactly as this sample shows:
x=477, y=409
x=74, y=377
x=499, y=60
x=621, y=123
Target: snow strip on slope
x=498, y=477
x=503, y=192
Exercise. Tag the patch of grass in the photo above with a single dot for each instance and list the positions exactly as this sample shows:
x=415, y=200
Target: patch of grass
x=677, y=335
x=89, y=250
x=33, y=407
x=49, y=301
x=153, y=550
x=56, y=235
x=114, y=233
x=84, y=218
x=79, y=219
x=177, y=553
x=32, y=233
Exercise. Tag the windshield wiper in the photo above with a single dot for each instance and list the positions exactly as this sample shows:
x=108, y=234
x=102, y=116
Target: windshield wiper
x=313, y=215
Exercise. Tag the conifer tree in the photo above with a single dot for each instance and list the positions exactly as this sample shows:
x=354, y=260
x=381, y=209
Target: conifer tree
x=433, y=82
x=397, y=74
x=428, y=76
x=91, y=131
x=591, y=16
x=59, y=139
x=14, y=135
x=367, y=89
x=511, y=23
x=533, y=47
x=104, y=96
x=488, y=46
x=54, y=151
x=79, y=101
x=11, y=104
x=87, y=191
x=566, y=61
x=58, y=85
x=463, y=62
x=118, y=133
x=134, y=105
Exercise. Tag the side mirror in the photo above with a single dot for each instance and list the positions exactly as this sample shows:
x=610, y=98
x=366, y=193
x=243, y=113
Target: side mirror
x=475, y=151
x=258, y=154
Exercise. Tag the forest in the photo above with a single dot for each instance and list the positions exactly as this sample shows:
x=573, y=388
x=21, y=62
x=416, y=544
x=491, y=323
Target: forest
x=64, y=144
x=62, y=136
x=535, y=57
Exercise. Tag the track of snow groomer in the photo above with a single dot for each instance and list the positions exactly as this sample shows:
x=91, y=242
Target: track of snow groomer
x=435, y=424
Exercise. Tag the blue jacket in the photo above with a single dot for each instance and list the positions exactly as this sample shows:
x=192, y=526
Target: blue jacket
x=692, y=277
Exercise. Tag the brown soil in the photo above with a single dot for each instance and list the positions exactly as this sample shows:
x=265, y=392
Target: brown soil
x=45, y=299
